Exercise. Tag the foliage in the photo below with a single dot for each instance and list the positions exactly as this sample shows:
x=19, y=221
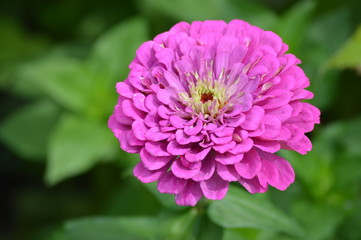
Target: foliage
x=63, y=174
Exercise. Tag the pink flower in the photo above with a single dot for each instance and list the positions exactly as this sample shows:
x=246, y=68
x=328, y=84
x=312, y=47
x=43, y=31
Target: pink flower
x=209, y=103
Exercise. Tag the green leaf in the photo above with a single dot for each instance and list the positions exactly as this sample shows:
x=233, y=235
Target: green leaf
x=111, y=228
x=320, y=221
x=241, y=209
x=27, y=130
x=250, y=11
x=176, y=226
x=205, y=229
x=294, y=23
x=66, y=80
x=189, y=10
x=351, y=137
x=318, y=47
x=75, y=146
x=349, y=56
x=115, y=49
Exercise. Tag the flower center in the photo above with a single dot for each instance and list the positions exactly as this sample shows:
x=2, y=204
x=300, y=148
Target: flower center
x=205, y=96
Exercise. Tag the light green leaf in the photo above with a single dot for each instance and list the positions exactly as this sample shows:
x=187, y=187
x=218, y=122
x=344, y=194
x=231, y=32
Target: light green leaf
x=115, y=49
x=294, y=23
x=27, y=130
x=242, y=209
x=241, y=234
x=66, y=80
x=75, y=146
x=111, y=228
x=349, y=56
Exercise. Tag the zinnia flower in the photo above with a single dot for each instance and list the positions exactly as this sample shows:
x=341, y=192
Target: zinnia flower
x=209, y=103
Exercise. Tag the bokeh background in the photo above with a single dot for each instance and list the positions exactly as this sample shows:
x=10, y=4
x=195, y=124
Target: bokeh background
x=62, y=174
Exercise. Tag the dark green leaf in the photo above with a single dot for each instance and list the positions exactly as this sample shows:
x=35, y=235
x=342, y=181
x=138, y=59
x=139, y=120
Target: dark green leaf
x=108, y=228
x=205, y=229
x=115, y=49
x=250, y=11
x=294, y=23
x=177, y=226
x=187, y=10
x=27, y=130
x=242, y=209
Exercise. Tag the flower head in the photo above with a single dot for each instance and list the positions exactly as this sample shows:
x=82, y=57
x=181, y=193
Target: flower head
x=209, y=103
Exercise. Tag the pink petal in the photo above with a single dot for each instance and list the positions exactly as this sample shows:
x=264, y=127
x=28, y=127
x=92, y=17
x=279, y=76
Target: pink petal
x=169, y=183
x=267, y=146
x=154, y=134
x=130, y=111
x=221, y=140
x=272, y=127
x=145, y=175
x=250, y=165
x=268, y=173
x=214, y=188
x=224, y=147
x=227, y=172
x=139, y=129
x=153, y=163
x=194, y=130
x=177, y=121
x=190, y=195
x=151, y=102
x=176, y=149
x=242, y=147
x=179, y=170
x=228, y=158
x=197, y=154
x=165, y=96
x=253, y=118
x=284, y=168
x=206, y=171
x=125, y=90
x=252, y=185
x=139, y=102
x=157, y=149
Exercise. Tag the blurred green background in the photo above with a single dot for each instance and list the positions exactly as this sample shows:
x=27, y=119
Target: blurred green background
x=62, y=174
